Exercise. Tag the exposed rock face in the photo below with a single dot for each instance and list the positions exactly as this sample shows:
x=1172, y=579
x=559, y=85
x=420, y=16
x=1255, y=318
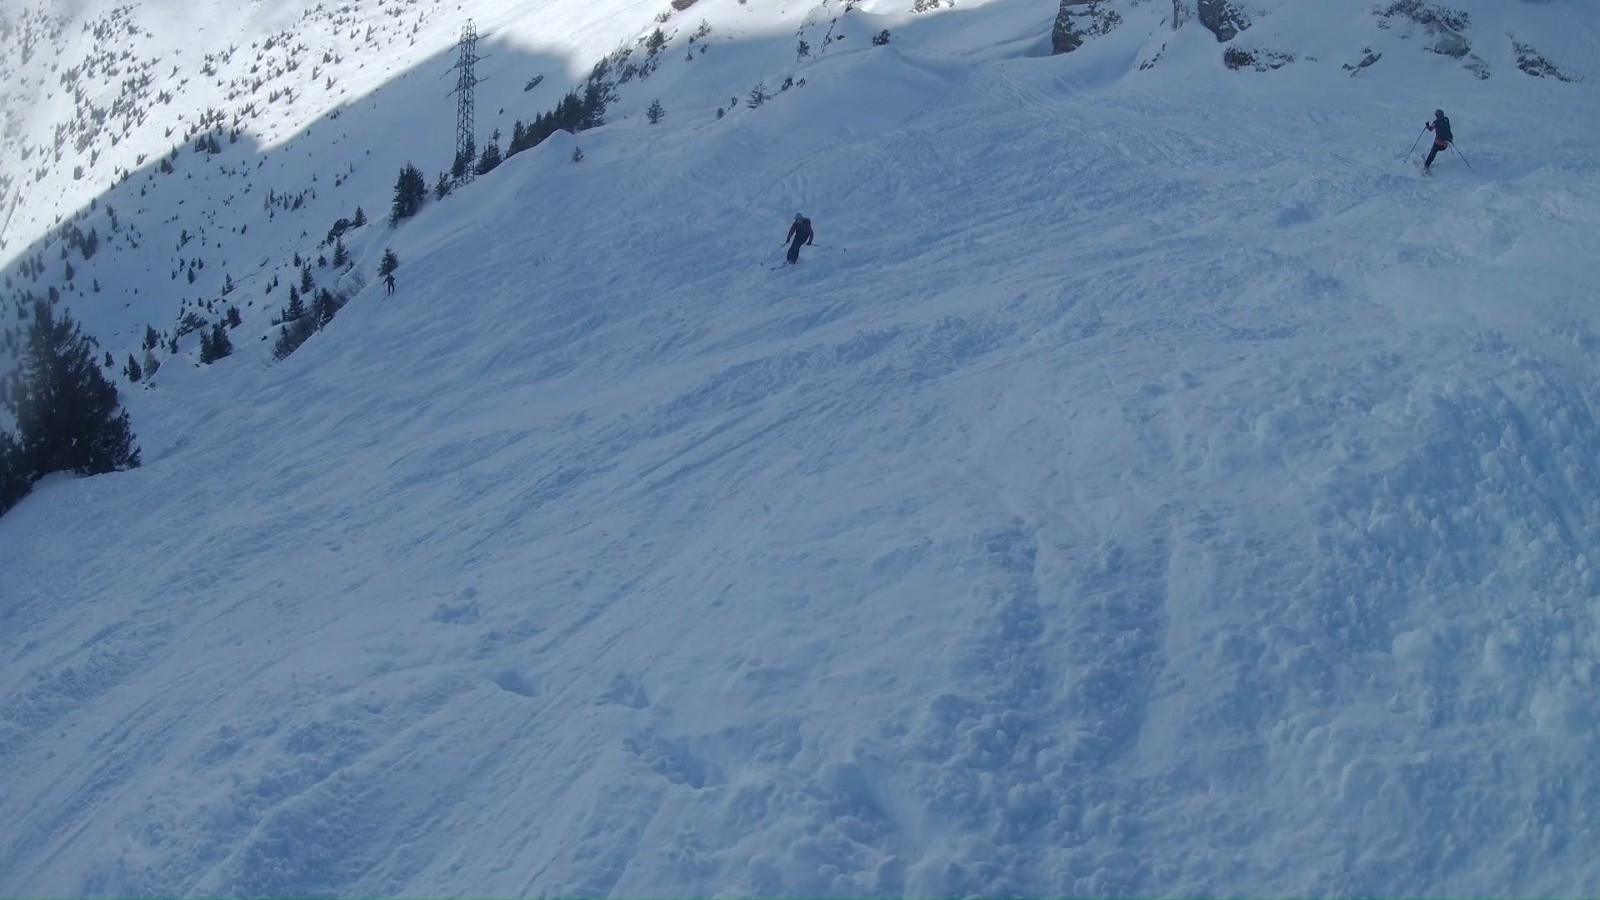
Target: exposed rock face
x=1223, y=19
x=1260, y=60
x=1080, y=19
x=1447, y=27
x=1064, y=37
x=1369, y=56
x=1452, y=44
x=1532, y=62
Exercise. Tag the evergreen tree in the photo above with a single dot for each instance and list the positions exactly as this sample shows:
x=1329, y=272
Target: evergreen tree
x=490, y=158
x=594, y=106
x=463, y=160
x=68, y=416
x=233, y=317
x=442, y=186
x=293, y=335
x=306, y=284
x=151, y=338
x=388, y=264
x=324, y=307
x=410, y=189
x=14, y=480
x=295, y=309
x=132, y=370
x=520, y=139
x=341, y=256
x=360, y=219
x=208, y=350
x=655, y=112
x=221, y=345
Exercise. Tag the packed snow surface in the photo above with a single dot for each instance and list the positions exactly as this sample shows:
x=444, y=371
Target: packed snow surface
x=1148, y=484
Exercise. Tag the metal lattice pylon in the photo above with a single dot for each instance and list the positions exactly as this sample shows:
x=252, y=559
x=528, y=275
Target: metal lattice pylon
x=466, y=80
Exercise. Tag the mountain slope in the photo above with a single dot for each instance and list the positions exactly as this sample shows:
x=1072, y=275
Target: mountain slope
x=1149, y=485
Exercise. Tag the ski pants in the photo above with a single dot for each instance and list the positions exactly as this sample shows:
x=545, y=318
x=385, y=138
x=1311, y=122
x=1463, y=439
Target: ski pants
x=794, y=248
x=1437, y=146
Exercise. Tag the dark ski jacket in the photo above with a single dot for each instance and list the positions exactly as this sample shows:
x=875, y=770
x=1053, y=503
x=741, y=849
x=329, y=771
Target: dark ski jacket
x=801, y=231
x=1441, y=129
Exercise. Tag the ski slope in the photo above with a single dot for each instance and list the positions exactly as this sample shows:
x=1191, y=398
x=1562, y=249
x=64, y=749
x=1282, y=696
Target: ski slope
x=1148, y=485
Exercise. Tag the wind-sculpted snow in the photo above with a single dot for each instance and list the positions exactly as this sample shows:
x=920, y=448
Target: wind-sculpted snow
x=1146, y=485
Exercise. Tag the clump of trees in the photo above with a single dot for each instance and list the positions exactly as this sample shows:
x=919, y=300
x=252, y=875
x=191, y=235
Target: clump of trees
x=300, y=322
x=576, y=112
x=214, y=344
x=68, y=415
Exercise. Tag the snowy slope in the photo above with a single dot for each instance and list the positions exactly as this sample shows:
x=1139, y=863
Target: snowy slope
x=1149, y=485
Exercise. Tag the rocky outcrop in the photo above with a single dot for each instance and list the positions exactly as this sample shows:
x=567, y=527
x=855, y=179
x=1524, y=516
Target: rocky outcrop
x=1533, y=63
x=1446, y=26
x=1368, y=57
x=1260, y=60
x=1449, y=43
x=1079, y=20
x=1223, y=18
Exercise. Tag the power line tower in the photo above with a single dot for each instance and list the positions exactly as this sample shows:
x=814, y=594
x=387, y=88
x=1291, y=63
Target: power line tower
x=466, y=146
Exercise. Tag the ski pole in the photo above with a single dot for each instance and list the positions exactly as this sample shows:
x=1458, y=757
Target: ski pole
x=829, y=247
x=1416, y=142
x=1463, y=157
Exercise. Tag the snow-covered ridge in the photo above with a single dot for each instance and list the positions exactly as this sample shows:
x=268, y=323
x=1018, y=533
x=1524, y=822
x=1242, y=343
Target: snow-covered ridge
x=1484, y=37
x=292, y=97
x=137, y=176
x=1147, y=485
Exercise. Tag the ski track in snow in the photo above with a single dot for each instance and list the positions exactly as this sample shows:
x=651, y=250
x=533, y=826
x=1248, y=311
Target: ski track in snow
x=1141, y=503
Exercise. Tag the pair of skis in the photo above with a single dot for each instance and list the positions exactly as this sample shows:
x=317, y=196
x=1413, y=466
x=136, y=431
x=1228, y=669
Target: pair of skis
x=786, y=264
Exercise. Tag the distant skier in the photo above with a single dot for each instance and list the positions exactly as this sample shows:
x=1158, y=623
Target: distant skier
x=1442, y=137
x=388, y=281
x=799, y=233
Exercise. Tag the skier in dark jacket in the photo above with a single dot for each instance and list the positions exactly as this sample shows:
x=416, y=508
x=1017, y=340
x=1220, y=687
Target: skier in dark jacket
x=799, y=233
x=1442, y=138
